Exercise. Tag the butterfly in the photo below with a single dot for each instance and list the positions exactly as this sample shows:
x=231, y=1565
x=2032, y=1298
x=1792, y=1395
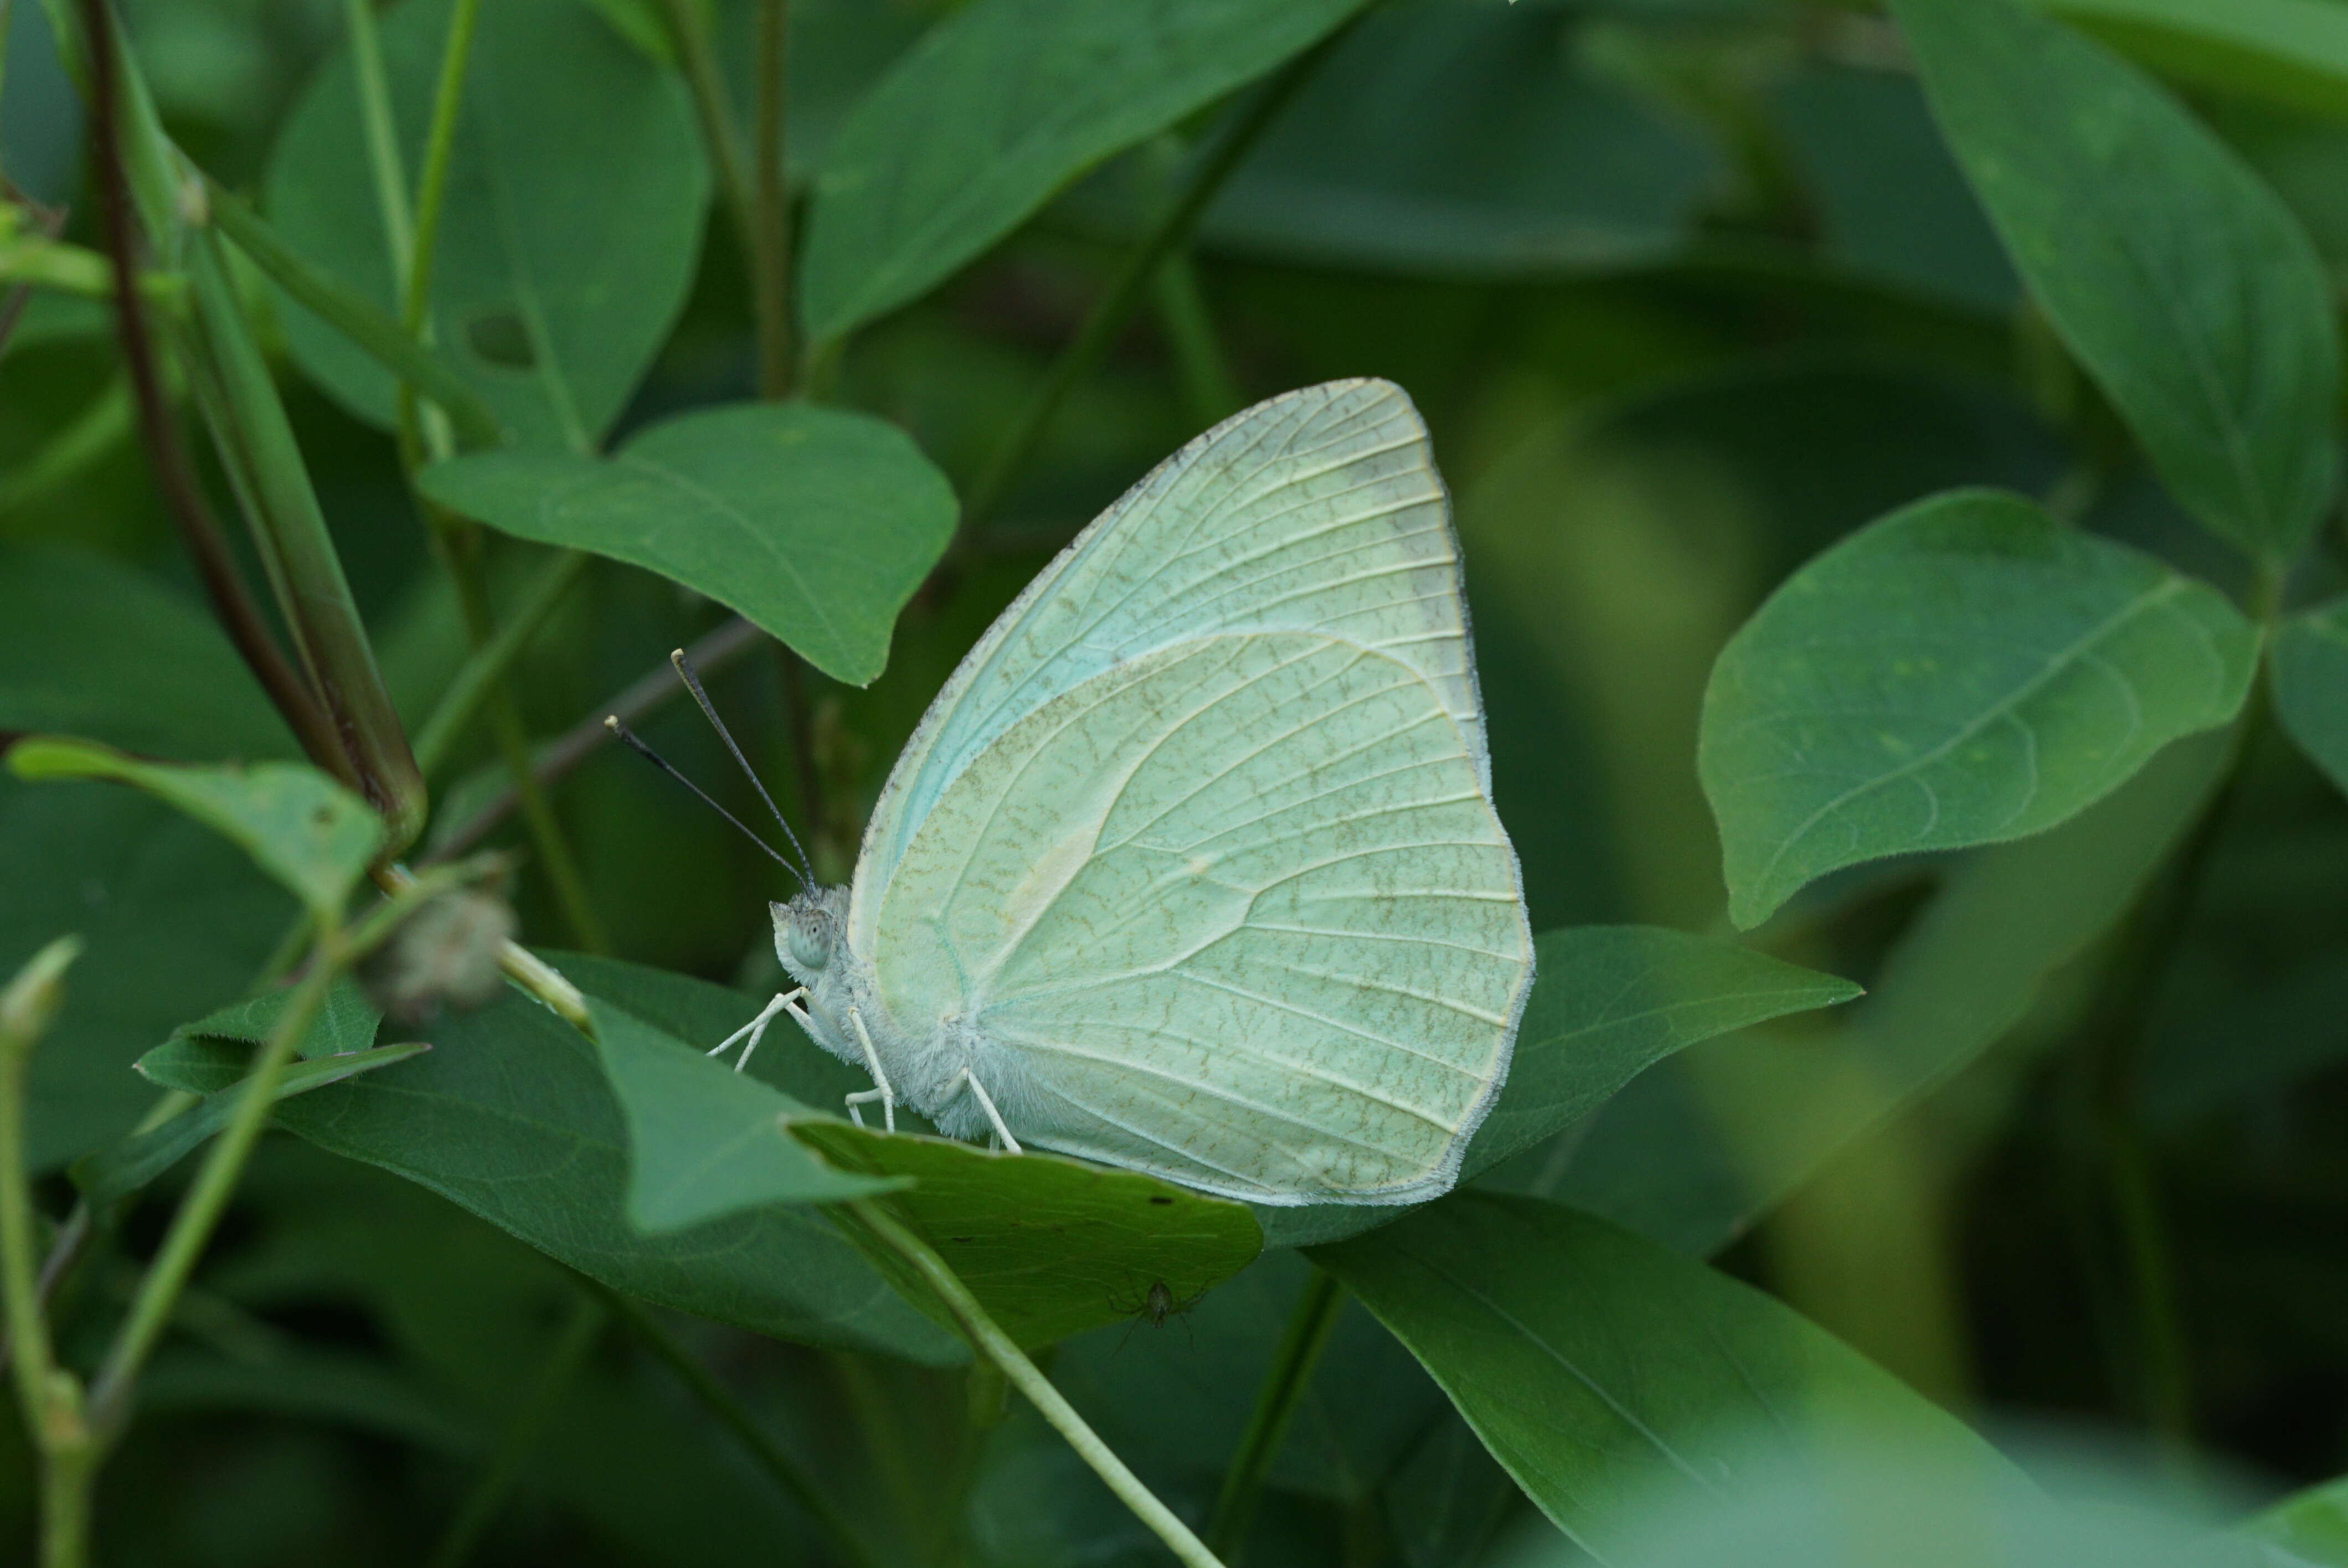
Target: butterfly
x=1193, y=866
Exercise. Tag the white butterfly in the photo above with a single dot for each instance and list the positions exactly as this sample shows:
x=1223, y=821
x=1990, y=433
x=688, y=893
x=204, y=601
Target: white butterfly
x=1193, y=867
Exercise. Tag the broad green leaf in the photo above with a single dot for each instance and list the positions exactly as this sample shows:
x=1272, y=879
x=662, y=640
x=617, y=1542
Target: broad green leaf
x=1049, y=1245
x=1175, y=1398
x=704, y=1141
x=300, y=826
x=177, y=921
x=1457, y=139
x=2291, y=52
x=1604, y=1371
x=128, y=1167
x=2181, y=282
x=816, y=524
x=569, y=232
x=1692, y=1152
x=2312, y=1526
x=1965, y=671
x=996, y=108
x=510, y=1116
x=91, y=647
x=1607, y=1002
x=2310, y=685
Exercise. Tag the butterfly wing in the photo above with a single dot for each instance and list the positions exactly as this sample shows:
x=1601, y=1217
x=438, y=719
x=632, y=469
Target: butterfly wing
x=1236, y=911
x=1316, y=510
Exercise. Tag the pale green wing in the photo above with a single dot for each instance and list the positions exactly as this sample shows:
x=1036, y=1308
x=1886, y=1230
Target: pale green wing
x=1237, y=912
x=1317, y=510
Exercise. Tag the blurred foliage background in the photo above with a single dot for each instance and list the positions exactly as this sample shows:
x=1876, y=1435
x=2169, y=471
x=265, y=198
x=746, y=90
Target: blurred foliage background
x=1687, y=290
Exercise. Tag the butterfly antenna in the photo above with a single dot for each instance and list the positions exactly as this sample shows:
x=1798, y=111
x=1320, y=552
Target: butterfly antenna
x=693, y=684
x=628, y=736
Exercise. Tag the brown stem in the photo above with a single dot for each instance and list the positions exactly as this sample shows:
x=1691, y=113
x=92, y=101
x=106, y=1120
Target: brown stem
x=175, y=479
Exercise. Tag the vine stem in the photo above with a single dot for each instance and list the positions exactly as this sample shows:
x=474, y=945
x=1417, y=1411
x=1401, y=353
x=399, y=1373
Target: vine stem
x=780, y=1466
x=462, y=702
x=770, y=241
x=989, y=1341
x=1134, y=275
x=1276, y=1398
x=50, y=1395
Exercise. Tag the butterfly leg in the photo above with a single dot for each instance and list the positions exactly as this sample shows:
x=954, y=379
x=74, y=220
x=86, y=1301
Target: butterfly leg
x=756, y=1027
x=880, y=1089
x=964, y=1080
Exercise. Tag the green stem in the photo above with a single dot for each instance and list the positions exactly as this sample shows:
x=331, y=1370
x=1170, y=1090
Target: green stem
x=989, y=1341
x=95, y=431
x=383, y=338
x=291, y=531
x=487, y=1497
x=780, y=1466
x=1209, y=389
x=382, y=133
x=415, y=299
x=1085, y=351
x=66, y=1479
x=717, y=116
x=25, y=1009
x=1276, y=1398
x=770, y=245
x=461, y=703
x=207, y=1198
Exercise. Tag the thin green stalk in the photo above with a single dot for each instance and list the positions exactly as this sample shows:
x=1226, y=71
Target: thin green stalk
x=989, y=1341
x=207, y=1199
x=717, y=116
x=1209, y=389
x=440, y=140
x=95, y=431
x=27, y=1009
x=382, y=133
x=487, y=1497
x=770, y=246
x=461, y=703
x=1086, y=350
x=770, y=1456
x=367, y=328
x=1276, y=1398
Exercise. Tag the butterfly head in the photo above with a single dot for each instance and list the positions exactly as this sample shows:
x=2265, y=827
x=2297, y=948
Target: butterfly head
x=810, y=930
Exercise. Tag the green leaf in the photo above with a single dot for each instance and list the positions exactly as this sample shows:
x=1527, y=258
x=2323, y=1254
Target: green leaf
x=2310, y=685
x=122, y=1169
x=704, y=1141
x=300, y=826
x=1517, y=156
x=1607, y=1002
x=569, y=233
x=816, y=524
x=1603, y=1371
x=2311, y=1525
x=2291, y=52
x=996, y=108
x=193, y=1059
x=177, y=921
x=1964, y=671
x=1692, y=1152
x=91, y=647
x=511, y=1117
x=1050, y=1246
x=2181, y=282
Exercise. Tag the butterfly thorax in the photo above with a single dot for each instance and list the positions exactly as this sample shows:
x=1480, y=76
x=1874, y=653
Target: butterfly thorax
x=811, y=940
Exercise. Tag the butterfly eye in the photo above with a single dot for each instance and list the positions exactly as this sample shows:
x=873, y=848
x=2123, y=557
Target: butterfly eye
x=809, y=949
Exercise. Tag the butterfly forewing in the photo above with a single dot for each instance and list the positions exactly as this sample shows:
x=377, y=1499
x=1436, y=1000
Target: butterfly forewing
x=1318, y=510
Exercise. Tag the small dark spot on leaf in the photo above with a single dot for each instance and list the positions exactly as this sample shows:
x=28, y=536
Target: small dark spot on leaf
x=500, y=338
x=1160, y=1198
